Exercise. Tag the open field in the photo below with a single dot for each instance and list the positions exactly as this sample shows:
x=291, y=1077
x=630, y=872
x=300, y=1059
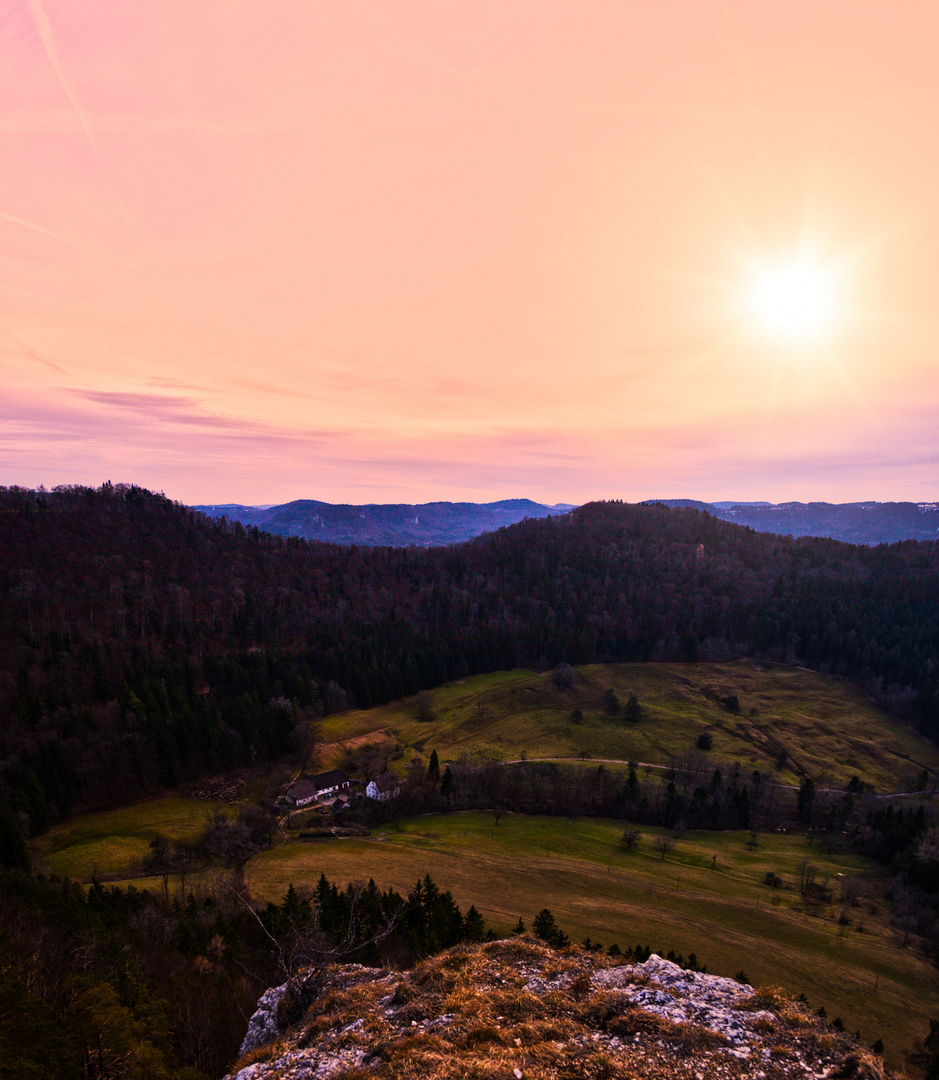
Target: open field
x=707, y=896
x=788, y=720
x=116, y=841
x=594, y=886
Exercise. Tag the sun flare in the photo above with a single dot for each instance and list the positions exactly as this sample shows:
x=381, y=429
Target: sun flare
x=792, y=302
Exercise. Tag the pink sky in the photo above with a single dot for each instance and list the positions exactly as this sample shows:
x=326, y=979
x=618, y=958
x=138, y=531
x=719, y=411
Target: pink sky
x=362, y=251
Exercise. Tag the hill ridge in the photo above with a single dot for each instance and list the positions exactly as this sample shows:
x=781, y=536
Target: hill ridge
x=429, y=524
x=868, y=522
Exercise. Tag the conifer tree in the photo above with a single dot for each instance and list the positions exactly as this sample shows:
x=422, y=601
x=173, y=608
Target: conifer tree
x=474, y=926
x=14, y=855
x=548, y=930
x=446, y=784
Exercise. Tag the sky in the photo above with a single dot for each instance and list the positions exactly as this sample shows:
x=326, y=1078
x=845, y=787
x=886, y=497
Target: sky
x=362, y=251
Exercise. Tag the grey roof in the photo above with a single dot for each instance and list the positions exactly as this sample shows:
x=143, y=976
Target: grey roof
x=333, y=778
x=302, y=789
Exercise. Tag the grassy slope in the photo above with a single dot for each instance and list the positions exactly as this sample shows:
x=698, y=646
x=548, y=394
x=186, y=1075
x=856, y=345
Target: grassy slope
x=580, y=870
x=594, y=886
x=114, y=841
x=829, y=728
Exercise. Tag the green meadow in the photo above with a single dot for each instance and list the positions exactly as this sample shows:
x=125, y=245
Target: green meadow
x=789, y=720
x=116, y=841
x=706, y=896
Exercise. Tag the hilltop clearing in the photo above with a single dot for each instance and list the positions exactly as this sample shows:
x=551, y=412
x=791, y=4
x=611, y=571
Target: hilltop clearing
x=783, y=722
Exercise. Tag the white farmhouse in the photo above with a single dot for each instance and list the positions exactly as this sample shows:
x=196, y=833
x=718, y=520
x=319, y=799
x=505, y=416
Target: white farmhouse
x=384, y=787
x=303, y=792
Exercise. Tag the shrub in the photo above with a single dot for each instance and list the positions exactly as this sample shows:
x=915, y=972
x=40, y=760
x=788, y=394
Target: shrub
x=580, y=986
x=563, y=676
x=424, y=707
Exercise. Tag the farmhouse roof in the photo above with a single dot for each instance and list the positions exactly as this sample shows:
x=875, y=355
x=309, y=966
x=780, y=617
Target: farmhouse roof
x=302, y=789
x=386, y=781
x=331, y=779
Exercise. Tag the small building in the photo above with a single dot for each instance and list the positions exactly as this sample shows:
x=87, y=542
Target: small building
x=337, y=805
x=301, y=793
x=308, y=790
x=384, y=787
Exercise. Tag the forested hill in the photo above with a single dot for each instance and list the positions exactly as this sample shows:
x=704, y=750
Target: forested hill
x=395, y=524
x=141, y=641
x=855, y=523
x=402, y=524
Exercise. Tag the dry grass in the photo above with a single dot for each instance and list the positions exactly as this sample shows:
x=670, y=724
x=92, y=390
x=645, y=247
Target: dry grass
x=467, y=1013
x=583, y=873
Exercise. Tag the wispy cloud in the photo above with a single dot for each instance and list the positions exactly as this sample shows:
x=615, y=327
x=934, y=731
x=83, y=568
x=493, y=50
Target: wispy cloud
x=191, y=411
x=23, y=223
x=174, y=384
x=61, y=121
x=44, y=29
x=29, y=351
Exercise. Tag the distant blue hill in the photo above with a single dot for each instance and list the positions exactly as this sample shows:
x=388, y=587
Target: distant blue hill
x=855, y=523
x=437, y=523
x=374, y=524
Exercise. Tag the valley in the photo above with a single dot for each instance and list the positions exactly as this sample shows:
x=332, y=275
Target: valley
x=672, y=731
x=735, y=898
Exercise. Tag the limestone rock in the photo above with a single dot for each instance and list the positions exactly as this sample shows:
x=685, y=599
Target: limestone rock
x=517, y=1008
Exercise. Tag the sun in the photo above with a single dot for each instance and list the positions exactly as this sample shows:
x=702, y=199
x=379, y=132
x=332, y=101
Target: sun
x=792, y=302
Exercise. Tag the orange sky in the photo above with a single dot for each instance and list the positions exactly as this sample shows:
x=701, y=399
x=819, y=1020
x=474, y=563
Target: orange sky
x=257, y=250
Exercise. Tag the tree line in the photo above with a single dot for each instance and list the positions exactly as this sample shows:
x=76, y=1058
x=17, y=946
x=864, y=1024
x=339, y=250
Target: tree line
x=111, y=982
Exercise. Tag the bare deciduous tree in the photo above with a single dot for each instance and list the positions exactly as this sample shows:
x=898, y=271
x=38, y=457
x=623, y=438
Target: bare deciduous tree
x=664, y=844
x=928, y=847
x=850, y=890
x=302, y=952
x=230, y=839
x=808, y=872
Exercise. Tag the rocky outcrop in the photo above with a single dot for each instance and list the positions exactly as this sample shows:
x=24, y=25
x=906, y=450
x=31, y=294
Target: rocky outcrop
x=517, y=1009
